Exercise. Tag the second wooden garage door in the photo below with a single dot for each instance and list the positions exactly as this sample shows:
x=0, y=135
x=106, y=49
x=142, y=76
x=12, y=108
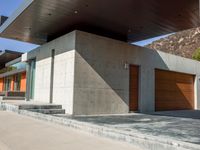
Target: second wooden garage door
x=173, y=91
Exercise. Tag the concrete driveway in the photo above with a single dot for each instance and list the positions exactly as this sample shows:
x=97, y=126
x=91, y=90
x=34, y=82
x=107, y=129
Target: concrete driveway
x=176, y=125
x=24, y=133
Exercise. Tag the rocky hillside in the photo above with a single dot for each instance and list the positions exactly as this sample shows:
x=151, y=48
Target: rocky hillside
x=183, y=43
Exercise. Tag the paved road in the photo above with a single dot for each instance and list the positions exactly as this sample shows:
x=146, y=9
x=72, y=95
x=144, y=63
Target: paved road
x=24, y=133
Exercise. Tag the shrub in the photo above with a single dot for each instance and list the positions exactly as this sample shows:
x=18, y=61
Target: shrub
x=196, y=54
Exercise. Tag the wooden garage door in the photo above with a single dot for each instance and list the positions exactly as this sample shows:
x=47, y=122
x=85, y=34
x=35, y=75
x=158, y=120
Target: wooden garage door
x=134, y=75
x=173, y=91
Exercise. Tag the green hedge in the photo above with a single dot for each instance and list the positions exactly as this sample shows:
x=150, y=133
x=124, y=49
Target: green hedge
x=4, y=70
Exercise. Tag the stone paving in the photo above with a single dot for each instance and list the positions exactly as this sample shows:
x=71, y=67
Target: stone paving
x=178, y=125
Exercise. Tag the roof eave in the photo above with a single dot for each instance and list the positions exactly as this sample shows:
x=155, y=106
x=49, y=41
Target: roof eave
x=12, y=18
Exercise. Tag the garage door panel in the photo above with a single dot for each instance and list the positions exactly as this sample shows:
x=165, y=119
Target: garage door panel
x=162, y=86
x=173, y=94
x=173, y=90
x=174, y=87
x=174, y=97
x=175, y=100
x=183, y=76
x=185, y=87
x=162, y=76
x=171, y=104
x=183, y=80
x=172, y=107
x=181, y=104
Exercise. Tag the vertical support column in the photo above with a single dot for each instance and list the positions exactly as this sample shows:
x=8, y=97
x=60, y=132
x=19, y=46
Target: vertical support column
x=52, y=75
x=27, y=82
x=147, y=89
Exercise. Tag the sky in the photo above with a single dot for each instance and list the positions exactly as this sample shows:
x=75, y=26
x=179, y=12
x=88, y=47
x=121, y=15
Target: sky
x=149, y=41
x=7, y=7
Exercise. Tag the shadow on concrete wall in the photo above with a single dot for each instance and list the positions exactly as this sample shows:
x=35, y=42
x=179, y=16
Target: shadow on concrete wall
x=106, y=57
x=114, y=77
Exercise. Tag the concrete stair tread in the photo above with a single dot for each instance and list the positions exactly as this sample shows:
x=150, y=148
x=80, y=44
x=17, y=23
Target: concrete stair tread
x=34, y=106
x=48, y=111
x=13, y=98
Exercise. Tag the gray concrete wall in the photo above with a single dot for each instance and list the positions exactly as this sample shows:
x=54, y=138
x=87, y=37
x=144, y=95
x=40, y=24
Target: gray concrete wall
x=101, y=84
x=63, y=75
x=90, y=78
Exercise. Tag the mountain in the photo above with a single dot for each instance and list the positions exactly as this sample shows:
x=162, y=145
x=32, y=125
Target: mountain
x=184, y=43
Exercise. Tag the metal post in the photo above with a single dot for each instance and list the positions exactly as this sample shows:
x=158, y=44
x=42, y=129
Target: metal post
x=52, y=76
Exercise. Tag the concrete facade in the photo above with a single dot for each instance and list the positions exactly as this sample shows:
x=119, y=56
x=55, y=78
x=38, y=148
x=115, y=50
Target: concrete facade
x=63, y=71
x=91, y=75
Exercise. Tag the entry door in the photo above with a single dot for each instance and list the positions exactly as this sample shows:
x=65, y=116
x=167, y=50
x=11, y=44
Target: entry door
x=134, y=81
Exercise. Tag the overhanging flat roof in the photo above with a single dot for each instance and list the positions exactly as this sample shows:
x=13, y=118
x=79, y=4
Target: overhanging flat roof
x=7, y=55
x=38, y=21
x=12, y=73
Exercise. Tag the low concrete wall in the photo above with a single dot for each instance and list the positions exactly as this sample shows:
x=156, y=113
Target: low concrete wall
x=101, y=83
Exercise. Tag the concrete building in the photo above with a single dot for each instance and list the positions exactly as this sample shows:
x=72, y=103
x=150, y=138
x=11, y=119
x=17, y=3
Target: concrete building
x=101, y=72
x=77, y=71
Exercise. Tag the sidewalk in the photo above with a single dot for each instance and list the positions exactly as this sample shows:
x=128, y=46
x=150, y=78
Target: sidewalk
x=24, y=133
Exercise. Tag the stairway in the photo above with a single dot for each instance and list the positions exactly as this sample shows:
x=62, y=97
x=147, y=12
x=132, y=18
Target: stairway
x=44, y=109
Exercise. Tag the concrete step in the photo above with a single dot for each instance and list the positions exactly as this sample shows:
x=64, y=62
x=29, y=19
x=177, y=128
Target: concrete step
x=13, y=98
x=48, y=111
x=15, y=94
x=34, y=106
